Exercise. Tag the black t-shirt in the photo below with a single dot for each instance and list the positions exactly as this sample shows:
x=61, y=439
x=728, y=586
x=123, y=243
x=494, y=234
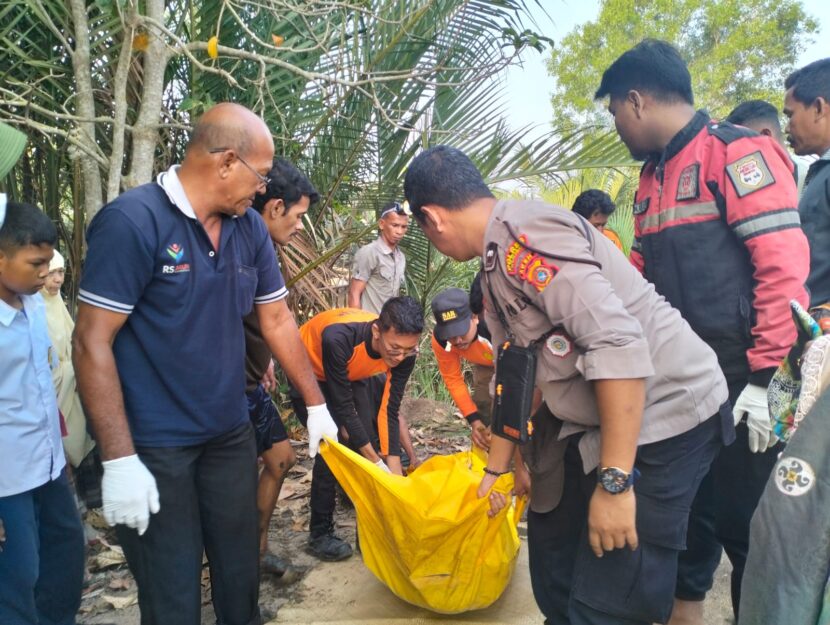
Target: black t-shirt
x=257, y=353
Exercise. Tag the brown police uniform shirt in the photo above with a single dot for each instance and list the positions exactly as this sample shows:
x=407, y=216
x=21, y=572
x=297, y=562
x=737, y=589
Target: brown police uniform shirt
x=613, y=325
x=382, y=269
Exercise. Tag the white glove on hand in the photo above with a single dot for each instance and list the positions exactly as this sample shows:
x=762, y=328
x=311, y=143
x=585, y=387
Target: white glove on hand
x=380, y=463
x=129, y=493
x=319, y=424
x=753, y=402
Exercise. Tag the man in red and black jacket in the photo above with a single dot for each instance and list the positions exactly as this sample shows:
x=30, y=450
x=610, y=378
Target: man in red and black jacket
x=718, y=233
x=347, y=346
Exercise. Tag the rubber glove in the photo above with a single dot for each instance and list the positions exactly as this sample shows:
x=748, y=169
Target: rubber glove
x=129, y=493
x=752, y=402
x=381, y=464
x=319, y=424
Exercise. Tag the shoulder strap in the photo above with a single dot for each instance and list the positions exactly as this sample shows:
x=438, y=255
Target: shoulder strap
x=587, y=233
x=571, y=259
x=499, y=311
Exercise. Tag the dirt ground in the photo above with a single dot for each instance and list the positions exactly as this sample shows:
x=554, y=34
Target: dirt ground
x=341, y=592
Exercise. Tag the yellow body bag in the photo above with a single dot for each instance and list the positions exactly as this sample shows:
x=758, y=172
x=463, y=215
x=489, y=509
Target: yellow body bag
x=427, y=536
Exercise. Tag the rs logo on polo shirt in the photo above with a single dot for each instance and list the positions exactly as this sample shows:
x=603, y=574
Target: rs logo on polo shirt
x=176, y=252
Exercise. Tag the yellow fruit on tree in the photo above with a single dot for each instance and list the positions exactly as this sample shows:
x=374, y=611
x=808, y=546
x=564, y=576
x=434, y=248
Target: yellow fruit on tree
x=213, y=47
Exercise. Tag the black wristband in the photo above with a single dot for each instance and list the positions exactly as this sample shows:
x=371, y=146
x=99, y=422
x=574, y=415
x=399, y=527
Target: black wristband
x=490, y=471
x=473, y=416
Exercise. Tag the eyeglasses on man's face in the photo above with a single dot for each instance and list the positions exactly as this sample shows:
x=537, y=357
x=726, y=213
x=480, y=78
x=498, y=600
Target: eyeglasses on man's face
x=396, y=352
x=264, y=181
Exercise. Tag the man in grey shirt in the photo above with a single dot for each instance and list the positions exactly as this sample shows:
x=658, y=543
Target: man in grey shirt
x=377, y=272
x=807, y=108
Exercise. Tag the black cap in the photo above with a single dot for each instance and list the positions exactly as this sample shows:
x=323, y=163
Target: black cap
x=451, y=308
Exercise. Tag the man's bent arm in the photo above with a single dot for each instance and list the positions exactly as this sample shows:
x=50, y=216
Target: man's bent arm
x=98, y=382
x=356, y=288
x=283, y=338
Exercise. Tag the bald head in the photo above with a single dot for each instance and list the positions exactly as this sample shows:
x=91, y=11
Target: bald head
x=227, y=160
x=229, y=125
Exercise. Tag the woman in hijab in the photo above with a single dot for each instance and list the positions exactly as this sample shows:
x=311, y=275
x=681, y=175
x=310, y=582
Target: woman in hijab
x=77, y=443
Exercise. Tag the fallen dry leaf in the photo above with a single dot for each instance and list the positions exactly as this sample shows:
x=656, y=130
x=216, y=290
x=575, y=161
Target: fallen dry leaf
x=118, y=602
x=111, y=557
x=120, y=583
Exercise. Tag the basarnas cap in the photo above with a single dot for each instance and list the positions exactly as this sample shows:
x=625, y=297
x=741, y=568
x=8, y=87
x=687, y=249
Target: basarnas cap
x=451, y=309
x=12, y=142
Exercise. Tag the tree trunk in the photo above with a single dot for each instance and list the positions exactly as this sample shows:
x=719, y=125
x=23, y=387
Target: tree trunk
x=145, y=129
x=86, y=108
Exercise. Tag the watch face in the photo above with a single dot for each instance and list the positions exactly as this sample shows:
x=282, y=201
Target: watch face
x=613, y=480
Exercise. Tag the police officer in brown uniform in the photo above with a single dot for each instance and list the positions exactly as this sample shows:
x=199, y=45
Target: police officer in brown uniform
x=634, y=402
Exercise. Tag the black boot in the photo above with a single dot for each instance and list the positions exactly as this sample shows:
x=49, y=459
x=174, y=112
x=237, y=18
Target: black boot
x=329, y=547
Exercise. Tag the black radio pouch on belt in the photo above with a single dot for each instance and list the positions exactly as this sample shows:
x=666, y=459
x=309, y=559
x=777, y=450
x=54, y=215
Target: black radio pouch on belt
x=515, y=382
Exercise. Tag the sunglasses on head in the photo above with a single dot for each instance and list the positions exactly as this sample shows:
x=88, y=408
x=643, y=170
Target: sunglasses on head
x=397, y=208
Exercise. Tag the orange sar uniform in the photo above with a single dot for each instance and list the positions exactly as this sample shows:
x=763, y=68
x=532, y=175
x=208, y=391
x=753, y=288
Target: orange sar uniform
x=339, y=345
x=449, y=357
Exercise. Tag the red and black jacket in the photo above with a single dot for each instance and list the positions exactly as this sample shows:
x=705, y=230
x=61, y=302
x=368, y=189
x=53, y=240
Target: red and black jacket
x=339, y=345
x=717, y=232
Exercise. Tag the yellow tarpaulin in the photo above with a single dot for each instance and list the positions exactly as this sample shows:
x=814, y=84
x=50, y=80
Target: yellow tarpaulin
x=427, y=536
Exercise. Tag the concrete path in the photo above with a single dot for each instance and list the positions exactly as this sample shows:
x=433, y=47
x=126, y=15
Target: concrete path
x=346, y=593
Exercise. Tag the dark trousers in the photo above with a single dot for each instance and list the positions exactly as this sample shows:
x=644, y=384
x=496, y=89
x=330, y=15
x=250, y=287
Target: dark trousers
x=323, y=483
x=721, y=513
x=208, y=504
x=574, y=587
x=42, y=560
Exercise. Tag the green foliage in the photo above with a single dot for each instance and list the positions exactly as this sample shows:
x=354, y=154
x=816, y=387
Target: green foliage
x=620, y=184
x=736, y=50
x=350, y=91
x=426, y=380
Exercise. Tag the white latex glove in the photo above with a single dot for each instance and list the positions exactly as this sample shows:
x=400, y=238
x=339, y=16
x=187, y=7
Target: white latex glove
x=380, y=463
x=319, y=424
x=129, y=493
x=752, y=402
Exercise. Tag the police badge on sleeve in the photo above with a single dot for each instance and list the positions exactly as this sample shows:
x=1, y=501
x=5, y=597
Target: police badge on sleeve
x=749, y=173
x=559, y=344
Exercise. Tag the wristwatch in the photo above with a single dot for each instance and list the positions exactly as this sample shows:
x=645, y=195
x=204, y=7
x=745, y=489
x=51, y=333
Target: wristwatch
x=616, y=481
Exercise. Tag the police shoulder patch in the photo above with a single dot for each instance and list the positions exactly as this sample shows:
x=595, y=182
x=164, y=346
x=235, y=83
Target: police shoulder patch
x=528, y=266
x=687, y=184
x=794, y=476
x=749, y=173
x=513, y=254
x=540, y=273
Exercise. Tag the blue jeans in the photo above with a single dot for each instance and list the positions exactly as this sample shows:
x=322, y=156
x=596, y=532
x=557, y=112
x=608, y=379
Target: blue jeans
x=42, y=560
